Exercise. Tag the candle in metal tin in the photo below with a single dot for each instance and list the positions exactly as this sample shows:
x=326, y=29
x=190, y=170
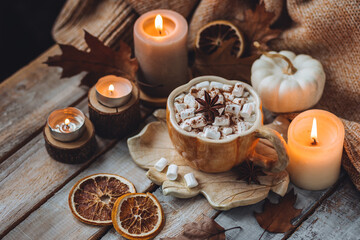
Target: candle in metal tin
x=66, y=124
x=113, y=91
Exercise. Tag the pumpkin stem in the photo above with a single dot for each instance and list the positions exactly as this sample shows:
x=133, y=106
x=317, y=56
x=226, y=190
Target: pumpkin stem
x=290, y=70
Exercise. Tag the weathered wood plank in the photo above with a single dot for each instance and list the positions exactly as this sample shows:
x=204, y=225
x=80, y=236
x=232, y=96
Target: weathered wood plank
x=244, y=217
x=177, y=212
x=54, y=220
x=30, y=176
x=337, y=218
x=28, y=96
x=38, y=175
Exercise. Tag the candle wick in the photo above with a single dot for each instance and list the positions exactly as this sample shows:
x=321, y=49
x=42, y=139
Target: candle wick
x=159, y=32
x=314, y=142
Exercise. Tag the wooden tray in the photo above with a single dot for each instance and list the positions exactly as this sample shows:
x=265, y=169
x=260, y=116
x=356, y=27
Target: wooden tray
x=222, y=190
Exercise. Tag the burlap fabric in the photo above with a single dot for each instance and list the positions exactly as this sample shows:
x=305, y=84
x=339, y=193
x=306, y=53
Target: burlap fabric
x=328, y=30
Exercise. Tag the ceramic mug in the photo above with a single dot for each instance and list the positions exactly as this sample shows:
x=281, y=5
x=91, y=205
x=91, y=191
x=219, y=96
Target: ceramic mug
x=213, y=156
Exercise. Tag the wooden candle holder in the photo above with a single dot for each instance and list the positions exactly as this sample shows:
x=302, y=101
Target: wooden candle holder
x=114, y=122
x=77, y=151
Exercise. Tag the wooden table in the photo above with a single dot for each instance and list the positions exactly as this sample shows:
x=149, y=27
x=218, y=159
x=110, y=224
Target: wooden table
x=34, y=188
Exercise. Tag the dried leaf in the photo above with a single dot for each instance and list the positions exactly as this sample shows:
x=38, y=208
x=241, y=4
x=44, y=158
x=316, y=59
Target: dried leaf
x=222, y=63
x=207, y=228
x=256, y=26
x=276, y=218
x=99, y=61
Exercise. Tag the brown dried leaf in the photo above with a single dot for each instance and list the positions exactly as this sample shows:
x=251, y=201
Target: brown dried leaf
x=276, y=217
x=256, y=27
x=222, y=63
x=99, y=61
x=207, y=228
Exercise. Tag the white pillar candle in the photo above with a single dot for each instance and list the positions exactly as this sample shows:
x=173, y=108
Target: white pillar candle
x=161, y=50
x=113, y=91
x=315, y=151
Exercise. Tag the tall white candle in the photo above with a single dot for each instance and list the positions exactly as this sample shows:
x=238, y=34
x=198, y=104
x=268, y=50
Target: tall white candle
x=160, y=48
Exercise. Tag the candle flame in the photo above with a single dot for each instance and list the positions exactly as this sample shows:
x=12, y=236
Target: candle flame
x=67, y=121
x=111, y=88
x=159, y=23
x=314, y=131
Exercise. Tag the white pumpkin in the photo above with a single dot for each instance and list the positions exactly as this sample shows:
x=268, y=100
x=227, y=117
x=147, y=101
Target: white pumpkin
x=287, y=82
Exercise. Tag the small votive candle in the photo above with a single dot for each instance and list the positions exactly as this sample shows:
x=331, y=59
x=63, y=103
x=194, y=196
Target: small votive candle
x=315, y=141
x=113, y=91
x=66, y=124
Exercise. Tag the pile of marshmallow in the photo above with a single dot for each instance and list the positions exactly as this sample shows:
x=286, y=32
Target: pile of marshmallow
x=172, y=172
x=237, y=116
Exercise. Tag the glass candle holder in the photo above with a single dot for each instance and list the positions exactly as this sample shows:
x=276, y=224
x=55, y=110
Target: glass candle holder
x=66, y=124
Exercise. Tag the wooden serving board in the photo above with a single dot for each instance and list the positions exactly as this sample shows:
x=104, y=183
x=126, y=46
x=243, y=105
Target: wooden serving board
x=222, y=190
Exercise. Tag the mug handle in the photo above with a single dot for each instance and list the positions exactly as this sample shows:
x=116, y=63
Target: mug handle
x=280, y=146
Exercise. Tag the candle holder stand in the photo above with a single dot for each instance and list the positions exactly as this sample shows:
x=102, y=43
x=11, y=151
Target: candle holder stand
x=77, y=151
x=114, y=122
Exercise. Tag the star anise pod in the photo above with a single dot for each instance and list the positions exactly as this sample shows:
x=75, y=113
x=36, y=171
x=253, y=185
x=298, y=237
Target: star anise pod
x=249, y=172
x=209, y=106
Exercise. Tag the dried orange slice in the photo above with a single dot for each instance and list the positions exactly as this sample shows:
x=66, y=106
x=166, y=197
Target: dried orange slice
x=92, y=198
x=138, y=216
x=211, y=36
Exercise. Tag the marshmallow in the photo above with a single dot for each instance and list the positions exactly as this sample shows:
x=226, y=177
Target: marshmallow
x=246, y=94
x=233, y=108
x=215, y=128
x=227, y=87
x=239, y=101
x=221, y=99
x=197, y=122
x=222, y=121
x=221, y=111
x=178, y=117
x=247, y=110
x=190, y=100
x=238, y=90
x=187, y=113
x=193, y=91
x=190, y=180
x=179, y=106
x=172, y=172
x=242, y=126
x=204, y=84
x=252, y=118
x=201, y=93
x=185, y=126
x=228, y=96
x=161, y=164
x=180, y=98
x=236, y=119
x=227, y=130
x=212, y=134
x=216, y=85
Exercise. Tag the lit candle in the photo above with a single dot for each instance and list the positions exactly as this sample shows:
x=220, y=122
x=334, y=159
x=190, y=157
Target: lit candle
x=66, y=124
x=315, y=140
x=113, y=91
x=160, y=48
